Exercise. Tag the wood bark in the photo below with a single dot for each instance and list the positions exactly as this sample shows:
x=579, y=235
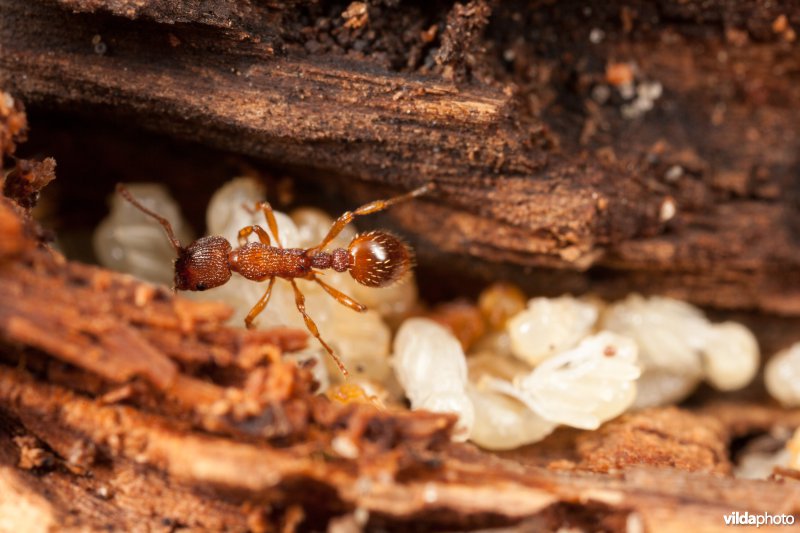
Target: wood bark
x=533, y=168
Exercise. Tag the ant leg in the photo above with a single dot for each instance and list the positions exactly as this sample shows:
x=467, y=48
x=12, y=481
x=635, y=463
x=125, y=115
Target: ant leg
x=367, y=209
x=300, y=301
x=245, y=232
x=269, y=214
x=262, y=303
x=340, y=297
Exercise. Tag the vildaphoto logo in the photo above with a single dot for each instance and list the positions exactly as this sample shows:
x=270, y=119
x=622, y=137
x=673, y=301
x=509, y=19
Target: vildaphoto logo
x=746, y=518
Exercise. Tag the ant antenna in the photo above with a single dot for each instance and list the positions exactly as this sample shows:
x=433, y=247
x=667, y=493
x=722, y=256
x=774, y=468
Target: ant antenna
x=125, y=193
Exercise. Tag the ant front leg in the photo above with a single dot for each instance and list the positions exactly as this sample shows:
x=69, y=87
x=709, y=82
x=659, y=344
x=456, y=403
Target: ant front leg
x=260, y=305
x=245, y=232
x=300, y=301
x=367, y=209
x=339, y=296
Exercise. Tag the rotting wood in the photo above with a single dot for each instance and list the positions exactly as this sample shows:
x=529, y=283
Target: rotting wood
x=458, y=485
x=120, y=494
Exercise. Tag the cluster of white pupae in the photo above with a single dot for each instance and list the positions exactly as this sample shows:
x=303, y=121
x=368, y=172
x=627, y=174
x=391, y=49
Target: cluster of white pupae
x=679, y=347
x=503, y=403
x=575, y=362
x=556, y=361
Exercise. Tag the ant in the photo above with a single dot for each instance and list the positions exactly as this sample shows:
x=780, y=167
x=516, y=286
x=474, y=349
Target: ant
x=374, y=259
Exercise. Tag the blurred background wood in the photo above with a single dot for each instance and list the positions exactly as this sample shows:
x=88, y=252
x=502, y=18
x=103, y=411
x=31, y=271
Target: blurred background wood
x=518, y=111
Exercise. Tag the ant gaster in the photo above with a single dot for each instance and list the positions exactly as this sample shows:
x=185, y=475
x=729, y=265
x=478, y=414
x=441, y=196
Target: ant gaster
x=374, y=259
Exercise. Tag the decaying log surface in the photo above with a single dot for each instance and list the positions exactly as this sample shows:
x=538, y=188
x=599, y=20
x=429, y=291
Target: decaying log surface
x=123, y=406
x=454, y=486
x=513, y=110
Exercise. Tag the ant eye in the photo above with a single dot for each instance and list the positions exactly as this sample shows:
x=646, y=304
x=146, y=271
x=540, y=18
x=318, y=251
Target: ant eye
x=200, y=286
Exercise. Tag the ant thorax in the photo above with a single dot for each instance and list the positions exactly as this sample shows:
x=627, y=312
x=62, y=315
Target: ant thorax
x=257, y=262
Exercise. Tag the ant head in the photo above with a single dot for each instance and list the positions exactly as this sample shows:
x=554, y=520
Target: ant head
x=378, y=259
x=203, y=264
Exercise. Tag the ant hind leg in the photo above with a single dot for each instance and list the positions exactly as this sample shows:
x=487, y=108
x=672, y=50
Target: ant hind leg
x=339, y=296
x=367, y=209
x=300, y=301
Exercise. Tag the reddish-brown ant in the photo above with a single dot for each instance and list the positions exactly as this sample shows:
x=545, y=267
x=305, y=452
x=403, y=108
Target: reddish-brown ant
x=374, y=259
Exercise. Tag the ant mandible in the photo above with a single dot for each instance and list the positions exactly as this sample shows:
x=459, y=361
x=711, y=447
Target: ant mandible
x=374, y=259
